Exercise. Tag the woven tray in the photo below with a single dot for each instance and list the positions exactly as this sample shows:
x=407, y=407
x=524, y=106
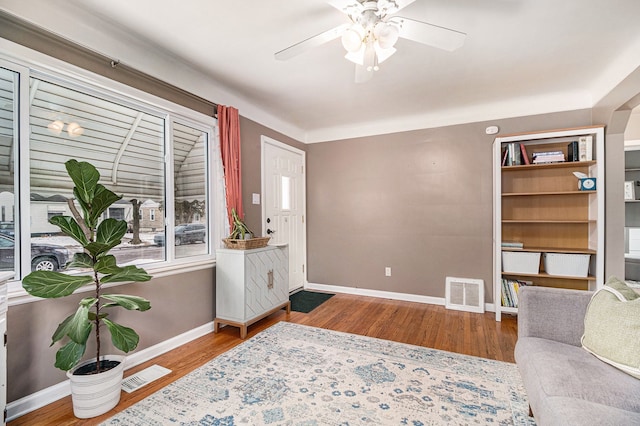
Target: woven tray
x=253, y=243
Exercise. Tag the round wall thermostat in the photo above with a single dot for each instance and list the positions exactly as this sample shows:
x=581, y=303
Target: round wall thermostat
x=491, y=130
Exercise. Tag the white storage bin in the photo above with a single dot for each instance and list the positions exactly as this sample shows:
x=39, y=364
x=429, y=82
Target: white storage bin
x=521, y=262
x=567, y=265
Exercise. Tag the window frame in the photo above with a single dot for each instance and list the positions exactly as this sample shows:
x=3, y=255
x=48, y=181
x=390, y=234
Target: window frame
x=31, y=64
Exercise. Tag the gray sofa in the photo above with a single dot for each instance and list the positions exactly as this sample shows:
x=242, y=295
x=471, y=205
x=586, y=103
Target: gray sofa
x=565, y=384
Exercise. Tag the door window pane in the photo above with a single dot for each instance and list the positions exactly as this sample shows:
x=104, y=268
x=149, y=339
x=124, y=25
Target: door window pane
x=285, y=192
x=125, y=145
x=190, y=178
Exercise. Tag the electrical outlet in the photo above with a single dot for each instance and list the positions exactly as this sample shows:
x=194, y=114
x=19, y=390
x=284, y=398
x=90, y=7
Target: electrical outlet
x=387, y=271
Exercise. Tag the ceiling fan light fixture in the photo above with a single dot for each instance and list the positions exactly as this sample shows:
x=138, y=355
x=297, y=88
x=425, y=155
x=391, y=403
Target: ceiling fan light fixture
x=383, y=54
x=386, y=34
x=370, y=58
x=356, y=57
x=352, y=38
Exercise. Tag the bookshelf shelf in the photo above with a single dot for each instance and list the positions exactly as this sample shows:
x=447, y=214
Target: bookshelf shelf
x=561, y=165
x=551, y=222
x=551, y=250
x=551, y=193
x=540, y=207
x=547, y=276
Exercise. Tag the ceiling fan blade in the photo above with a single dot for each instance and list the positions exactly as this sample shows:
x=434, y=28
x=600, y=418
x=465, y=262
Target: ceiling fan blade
x=387, y=7
x=432, y=35
x=311, y=42
x=347, y=6
x=362, y=75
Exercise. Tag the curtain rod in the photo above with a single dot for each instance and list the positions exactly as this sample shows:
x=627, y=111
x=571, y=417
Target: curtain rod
x=20, y=31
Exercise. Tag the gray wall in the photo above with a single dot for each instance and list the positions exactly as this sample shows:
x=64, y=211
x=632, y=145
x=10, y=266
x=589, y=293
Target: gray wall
x=179, y=303
x=250, y=135
x=420, y=202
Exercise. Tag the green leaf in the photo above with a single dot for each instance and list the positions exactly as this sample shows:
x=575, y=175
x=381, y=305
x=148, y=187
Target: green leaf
x=81, y=260
x=79, y=327
x=110, y=232
x=69, y=355
x=69, y=226
x=97, y=249
x=128, y=302
x=88, y=302
x=85, y=178
x=107, y=265
x=49, y=284
x=92, y=315
x=123, y=338
x=127, y=273
x=61, y=331
x=85, y=208
x=102, y=199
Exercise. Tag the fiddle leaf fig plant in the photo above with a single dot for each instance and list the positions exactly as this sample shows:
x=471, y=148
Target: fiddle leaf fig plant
x=97, y=238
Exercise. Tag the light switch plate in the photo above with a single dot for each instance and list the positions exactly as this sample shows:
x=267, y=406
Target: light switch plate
x=256, y=199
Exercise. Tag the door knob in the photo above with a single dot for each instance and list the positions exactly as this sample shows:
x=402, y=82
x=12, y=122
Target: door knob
x=269, y=231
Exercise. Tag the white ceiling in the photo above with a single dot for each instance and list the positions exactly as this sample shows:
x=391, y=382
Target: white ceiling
x=520, y=57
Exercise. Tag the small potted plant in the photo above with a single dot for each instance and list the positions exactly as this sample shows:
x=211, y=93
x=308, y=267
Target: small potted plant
x=242, y=237
x=99, y=377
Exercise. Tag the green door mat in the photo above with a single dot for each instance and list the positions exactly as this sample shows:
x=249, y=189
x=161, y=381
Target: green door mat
x=307, y=301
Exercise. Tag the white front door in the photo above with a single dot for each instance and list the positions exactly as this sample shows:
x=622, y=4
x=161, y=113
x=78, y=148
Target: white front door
x=283, y=205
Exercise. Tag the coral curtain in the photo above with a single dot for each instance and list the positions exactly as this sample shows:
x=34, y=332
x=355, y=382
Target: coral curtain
x=229, y=124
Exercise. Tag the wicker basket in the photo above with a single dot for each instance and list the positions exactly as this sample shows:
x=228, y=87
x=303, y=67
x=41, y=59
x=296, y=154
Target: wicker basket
x=253, y=243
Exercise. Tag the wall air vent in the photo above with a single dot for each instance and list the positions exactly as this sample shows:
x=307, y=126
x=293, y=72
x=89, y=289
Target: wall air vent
x=464, y=294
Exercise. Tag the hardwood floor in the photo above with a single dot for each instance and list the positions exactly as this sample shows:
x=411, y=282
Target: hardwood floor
x=406, y=322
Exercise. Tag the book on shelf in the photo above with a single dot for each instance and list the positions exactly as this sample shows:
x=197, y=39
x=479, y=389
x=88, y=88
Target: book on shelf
x=510, y=290
x=573, y=152
x=585, y=148
x=514, y=155
x=525, y=156
x=548, y=157
x=512, y=244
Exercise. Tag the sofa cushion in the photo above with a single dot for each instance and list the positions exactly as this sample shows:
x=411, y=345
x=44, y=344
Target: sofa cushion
x=612, y=326
x=552, y=370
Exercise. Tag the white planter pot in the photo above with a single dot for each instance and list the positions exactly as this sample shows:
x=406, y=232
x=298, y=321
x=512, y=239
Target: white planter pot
x=95, y=394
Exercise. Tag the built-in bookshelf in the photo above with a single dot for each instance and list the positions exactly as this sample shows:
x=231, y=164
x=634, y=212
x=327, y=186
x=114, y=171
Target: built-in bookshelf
x=553, y=230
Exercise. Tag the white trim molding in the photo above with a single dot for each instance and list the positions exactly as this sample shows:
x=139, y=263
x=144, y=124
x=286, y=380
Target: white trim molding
x=429, y=300
x=58, y=391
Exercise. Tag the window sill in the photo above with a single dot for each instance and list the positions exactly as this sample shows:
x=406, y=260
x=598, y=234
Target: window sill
x=17, y=296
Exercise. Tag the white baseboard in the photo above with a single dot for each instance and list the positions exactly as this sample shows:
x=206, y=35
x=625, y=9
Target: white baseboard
x=385, y=294
x=53, y=393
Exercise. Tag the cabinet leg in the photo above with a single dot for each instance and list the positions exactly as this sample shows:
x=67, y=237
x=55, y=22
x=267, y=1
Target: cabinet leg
x=243, y=331
x=216, y=326
x=288, y=308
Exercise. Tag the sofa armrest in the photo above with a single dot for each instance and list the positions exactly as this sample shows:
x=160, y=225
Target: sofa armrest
x=552, y=313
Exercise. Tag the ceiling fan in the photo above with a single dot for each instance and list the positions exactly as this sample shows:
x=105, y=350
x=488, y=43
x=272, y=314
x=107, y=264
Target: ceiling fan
x=372, y=33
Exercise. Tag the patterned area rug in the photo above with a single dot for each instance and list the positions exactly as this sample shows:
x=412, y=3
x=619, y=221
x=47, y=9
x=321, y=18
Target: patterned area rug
x=292, y=374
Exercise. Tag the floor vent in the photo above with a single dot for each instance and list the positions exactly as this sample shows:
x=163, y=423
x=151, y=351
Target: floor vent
x=144, y=377
x=464, y=294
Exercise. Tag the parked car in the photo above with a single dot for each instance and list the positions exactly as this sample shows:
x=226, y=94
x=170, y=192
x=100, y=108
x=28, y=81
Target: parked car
x=44, y=257
x=6, y=228
x=185, y=234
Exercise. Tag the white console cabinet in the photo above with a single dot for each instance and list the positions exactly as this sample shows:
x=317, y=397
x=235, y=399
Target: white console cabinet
x=250, y=285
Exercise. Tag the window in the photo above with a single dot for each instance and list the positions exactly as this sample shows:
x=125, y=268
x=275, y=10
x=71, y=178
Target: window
x=9, y=83
x=190, y=202
x=127, y=140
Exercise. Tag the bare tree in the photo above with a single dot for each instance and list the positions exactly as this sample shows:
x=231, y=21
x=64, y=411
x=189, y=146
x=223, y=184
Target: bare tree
x=136, y=222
